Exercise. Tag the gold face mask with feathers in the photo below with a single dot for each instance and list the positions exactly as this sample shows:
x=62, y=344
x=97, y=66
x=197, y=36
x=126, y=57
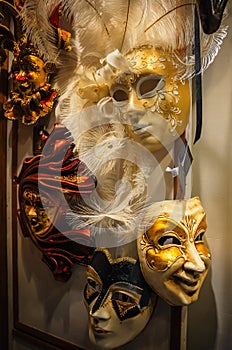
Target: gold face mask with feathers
x=153, y=104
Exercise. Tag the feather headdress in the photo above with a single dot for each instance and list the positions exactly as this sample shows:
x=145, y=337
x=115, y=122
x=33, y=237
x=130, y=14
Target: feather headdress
x=99, y=27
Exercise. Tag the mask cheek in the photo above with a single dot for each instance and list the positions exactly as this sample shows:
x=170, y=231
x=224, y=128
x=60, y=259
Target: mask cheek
x=204, y=253
x=161, y=260
x=149, y=104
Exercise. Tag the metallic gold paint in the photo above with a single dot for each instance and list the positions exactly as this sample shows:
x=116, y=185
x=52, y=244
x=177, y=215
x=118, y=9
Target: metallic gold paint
x=173, y=256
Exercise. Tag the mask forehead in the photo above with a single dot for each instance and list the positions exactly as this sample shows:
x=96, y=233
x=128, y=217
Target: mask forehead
x=175, y=210
x=32, y=62
x=184, y=218
x=194, y=215
x=149, y=60
x=115, y=279
x=111, y=270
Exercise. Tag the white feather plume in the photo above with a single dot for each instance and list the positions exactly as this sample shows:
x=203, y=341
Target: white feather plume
x=117, y=217
x=101, y=26
x=35, y=17
x=104, y=26
x=211, y=46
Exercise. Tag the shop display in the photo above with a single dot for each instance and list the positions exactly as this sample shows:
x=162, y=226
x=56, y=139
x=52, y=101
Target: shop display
x=107, y=187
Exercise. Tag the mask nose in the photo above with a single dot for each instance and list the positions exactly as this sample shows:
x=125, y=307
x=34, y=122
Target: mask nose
x=135, y=110
x=100, y=315
x=32, y=212
x=21, y=77
x=194, y=262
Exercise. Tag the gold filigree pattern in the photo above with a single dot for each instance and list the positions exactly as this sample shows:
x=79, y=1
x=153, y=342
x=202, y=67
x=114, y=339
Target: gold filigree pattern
x=72, y=178
x=139, y=61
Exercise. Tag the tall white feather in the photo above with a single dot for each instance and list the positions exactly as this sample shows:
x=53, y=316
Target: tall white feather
x=101, y=26
x=35, y=16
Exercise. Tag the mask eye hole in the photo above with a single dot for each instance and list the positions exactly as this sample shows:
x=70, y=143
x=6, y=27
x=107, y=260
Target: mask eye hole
x=119, y=93
x=92, y=290
x=149, y=85
x=168, y=240
x=123, y=297
x=125, y=305
x=93, y=284
x=199, y=238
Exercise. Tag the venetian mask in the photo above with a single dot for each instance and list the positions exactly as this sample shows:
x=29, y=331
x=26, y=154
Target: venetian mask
x=32, y=97
x=146, y=92
x=38, y=219
x=29, y=74
x=173, y=256
x=154, y=105
x=41, y=201
x=117, y=298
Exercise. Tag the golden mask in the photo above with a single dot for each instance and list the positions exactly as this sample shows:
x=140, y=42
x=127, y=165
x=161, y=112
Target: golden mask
x=38, y=217
x=29, y=74
x=33, y=97
x=145, y=89
x=154, y=104
x=173, y=255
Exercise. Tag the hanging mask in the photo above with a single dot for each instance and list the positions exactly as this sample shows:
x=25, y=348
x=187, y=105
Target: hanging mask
x=117, y=298
x=154, y=104
x=41, y=197
x=173, y=256
x=33, y=96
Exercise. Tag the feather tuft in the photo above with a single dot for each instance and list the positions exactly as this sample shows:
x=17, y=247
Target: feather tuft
x=36, y=24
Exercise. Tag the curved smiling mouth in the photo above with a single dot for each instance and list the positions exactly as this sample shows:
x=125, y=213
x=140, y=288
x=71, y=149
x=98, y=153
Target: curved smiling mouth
x=24, y=86
x=189, y=285
x=100, y=331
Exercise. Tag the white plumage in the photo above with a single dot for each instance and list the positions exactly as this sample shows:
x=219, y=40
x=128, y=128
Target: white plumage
x=101, y=26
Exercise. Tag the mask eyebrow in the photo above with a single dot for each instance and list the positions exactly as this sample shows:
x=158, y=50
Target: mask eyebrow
x=163, y=226
x=91, y=273
x=125, y=287
x=202, y=225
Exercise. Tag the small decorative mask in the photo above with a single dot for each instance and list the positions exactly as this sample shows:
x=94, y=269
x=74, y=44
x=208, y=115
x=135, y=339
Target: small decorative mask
x=33, y=96
x=117, y=298
x=41, y=212
x=173, y=256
